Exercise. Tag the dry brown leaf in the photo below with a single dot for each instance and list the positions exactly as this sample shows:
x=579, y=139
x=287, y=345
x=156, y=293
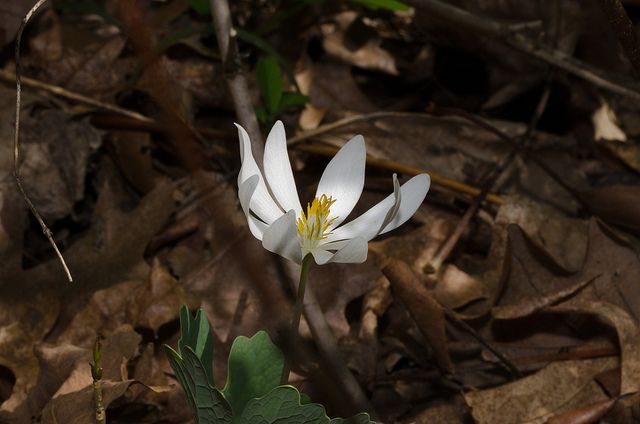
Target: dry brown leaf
x=23, y=325
x=333, y=88
x=558, y=387
x=132, y=154
x=449, y=413
x=369, y=56
x=612, y=264
x=11, y=15
x=585, y=415
x=424, y=308
x=55, y=152
x=456, y=288
x=79, y=407
x=628, y=336
x=618, y=205
x=530, y=305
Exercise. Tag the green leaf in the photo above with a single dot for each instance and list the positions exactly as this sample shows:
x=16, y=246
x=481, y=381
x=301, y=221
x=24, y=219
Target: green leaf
x=392, y=5
x=193, y=368
x=255, y=368
x=195, y=334
x=290, y=100
x=200, y=6
x=282, y=406
x=207, y=403
x=270, y=82
x=262, y=115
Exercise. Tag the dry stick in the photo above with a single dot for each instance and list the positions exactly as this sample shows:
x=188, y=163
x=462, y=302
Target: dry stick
x=16, y=142
x=445, y=12
x=624, y=29
x=452, y=240
x=59, y=91
x=436, y=179
x=96, y=375
x=226, y=36
x=452, y=317
x=378, y=162
x=151, y=124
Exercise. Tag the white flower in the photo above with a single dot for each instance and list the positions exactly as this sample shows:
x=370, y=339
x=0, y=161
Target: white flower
x=276, y=217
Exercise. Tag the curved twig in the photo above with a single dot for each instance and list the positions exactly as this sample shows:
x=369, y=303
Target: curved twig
x=16, y=142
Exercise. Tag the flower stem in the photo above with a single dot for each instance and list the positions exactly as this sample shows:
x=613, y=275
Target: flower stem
x=302, y=285
x=297, y=312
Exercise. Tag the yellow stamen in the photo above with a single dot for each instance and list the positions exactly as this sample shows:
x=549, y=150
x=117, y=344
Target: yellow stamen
x=314, y=225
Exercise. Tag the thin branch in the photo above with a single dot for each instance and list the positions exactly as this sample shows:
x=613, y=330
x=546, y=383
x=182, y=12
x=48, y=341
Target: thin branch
x=441, y=11
x=405, y=169
x=152, y=125
x=16, y=142
x=72, y=95
x=236, y=80
x=513, y=370
x=378, y=162
x=489, y=180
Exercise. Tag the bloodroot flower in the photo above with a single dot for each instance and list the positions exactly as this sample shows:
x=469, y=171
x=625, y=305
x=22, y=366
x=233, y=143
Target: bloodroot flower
x=276, y=216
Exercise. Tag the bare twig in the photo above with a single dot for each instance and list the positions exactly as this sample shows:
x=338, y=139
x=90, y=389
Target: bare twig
x=378, y=162
x=624, y=29
x=96, y=375
x=405, y=169
x=149, y=124
x=452, y=317
x=71, y=95
x=236, y=80
x=448, y=246
x=16, y=142
x=448, y=13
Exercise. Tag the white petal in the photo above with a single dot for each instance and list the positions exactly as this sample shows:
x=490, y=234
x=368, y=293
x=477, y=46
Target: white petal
x=277, y=170
x=397, y=198
x=245, y=192
x=281, y=237
x=343, y=178
x=354, y=251
x=262, y=204
x=413, y=193
x=372, y=222
x=321, y=256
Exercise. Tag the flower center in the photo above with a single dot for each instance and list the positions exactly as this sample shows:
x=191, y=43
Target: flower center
x=314, y=225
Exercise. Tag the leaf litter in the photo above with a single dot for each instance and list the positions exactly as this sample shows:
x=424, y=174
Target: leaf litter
x=544, y=279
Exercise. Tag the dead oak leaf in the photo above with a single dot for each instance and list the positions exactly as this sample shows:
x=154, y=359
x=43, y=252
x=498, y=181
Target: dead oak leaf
x=558, y=387
x=613, y=265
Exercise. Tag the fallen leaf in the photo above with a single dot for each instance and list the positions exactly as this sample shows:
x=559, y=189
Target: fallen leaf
x=425, y=310
x=605, y=124
x=22, y=326
x=585, y=415
x=558, y=387
x=79, y=407
x=11, y=15
x=368, y=56
x=617, y=205
x=628, y=336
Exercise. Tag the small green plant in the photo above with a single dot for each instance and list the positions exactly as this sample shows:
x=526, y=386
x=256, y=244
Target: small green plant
x=274, y=100
x=392, y=5
x=253, y=393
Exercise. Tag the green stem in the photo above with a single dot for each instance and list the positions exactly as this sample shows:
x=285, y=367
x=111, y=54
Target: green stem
x=302, y=285
x=297, y=312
